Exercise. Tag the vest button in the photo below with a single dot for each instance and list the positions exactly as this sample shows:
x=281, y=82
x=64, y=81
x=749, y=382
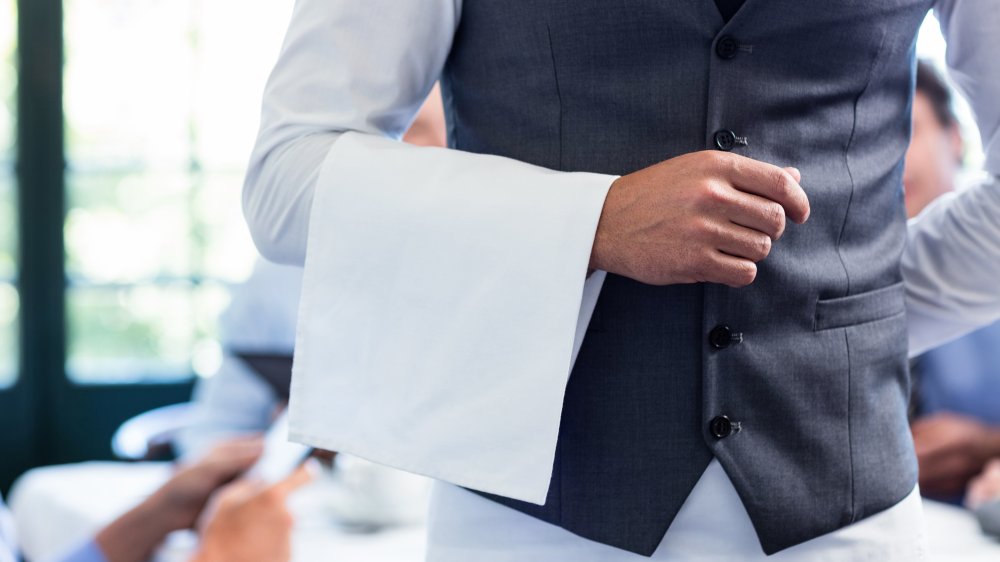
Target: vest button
x=725, y=140
x=721, y=427
x=727, y=47
x=722, y=336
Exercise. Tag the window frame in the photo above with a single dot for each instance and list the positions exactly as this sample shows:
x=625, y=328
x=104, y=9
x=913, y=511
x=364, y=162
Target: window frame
x=52, y=417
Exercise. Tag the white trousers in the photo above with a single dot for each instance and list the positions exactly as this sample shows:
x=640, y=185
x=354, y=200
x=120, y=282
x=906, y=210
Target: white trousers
x=711, y=526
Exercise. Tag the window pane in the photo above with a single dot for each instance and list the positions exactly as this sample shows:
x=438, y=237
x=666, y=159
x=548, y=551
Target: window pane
x=158, y=136
x=126, y=334
x=125, y=227
x=8, y=223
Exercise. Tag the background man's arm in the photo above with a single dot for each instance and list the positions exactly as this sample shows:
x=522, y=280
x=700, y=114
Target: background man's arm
x=951, y=264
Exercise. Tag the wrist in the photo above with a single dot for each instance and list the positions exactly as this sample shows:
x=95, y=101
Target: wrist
x=990, y=444
x=173, y=516
x=600, y=250
x=206, y=553
x=134, y=536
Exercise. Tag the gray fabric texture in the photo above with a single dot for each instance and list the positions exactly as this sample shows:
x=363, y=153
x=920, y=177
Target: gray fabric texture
x=819, y=383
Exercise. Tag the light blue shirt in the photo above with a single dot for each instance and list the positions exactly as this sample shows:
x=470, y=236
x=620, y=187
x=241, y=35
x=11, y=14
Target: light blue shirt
x=87, y=552
x=260, y=318
x=963, y=376
x=8, y=542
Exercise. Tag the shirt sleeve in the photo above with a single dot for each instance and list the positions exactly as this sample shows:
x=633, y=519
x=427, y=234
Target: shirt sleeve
x=8, y=538
x=87, y=552
x=236, y=400
x=442, y=298
x=952, y=260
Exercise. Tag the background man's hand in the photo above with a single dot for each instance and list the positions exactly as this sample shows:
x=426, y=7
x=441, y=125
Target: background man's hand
x=951, y=449
x=134, y=536
x=985, y=487
x=185, y=495
x=702, y=217
x=250, y=522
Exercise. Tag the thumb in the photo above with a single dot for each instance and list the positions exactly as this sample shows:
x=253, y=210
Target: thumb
x=302, y=476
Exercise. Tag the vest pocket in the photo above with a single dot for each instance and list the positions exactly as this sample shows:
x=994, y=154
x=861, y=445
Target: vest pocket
x=861, y=308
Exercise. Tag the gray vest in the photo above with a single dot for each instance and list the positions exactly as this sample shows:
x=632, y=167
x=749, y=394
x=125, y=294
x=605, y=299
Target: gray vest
x=797, y=384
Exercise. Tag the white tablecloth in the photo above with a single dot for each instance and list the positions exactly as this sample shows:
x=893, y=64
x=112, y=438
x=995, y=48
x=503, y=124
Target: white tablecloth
x=56, y=507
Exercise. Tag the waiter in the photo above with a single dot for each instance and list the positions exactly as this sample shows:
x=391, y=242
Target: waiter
x=614, y=203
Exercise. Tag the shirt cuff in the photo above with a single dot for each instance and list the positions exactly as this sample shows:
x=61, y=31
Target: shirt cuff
x=442, y=306
x=88, y=552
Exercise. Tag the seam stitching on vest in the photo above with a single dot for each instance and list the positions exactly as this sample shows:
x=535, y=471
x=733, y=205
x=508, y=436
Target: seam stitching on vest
x=847, y=157
x=555, y=76
x=850, y=432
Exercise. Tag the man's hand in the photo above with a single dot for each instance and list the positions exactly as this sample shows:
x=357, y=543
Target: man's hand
x=985, y=487
x=951, y=449
x=250, y=522
x=182, y=499
x=177, y=504
x=702, y=217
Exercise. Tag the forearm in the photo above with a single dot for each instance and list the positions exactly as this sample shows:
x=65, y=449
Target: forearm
x=991, y=443
x=951, y=265
x=134, y=536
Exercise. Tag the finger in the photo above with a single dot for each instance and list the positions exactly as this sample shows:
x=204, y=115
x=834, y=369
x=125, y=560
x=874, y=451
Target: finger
x=756, y=212
x=730, y=270
x=741, y=242
x=234, y=456
x=795, y=173
x=771, y=182
x=237, y=492
x=930, y=448
x=300, y=477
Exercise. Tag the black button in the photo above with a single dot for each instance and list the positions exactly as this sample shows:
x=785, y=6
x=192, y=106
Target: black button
x=721, y=336
x=725, y=140
x=721, y=427
x=727, y=47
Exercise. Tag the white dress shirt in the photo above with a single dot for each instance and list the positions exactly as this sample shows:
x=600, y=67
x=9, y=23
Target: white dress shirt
x=236, y=401
x=8, y=541
x=443, y=296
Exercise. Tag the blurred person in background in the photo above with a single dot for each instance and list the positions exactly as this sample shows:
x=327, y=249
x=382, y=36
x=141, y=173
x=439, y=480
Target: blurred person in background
x=957, y=385
x=236, y=401
x=241, y=520
x=984, y=498
x=261, y=318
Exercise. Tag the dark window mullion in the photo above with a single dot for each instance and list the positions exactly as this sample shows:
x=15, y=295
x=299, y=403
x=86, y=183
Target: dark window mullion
x=41, y=204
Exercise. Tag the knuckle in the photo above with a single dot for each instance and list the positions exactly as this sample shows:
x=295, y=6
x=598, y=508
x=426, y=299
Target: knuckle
x=775, y=216
x=763, y=247
x=715, y=194
x=730, y=164
x=700, y=227
x=714, y=157
x=744, y=274
x=722, y=163
x=783, y=183
x=697, y=266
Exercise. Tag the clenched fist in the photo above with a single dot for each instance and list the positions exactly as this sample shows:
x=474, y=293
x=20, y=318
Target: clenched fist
x=702, y=217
